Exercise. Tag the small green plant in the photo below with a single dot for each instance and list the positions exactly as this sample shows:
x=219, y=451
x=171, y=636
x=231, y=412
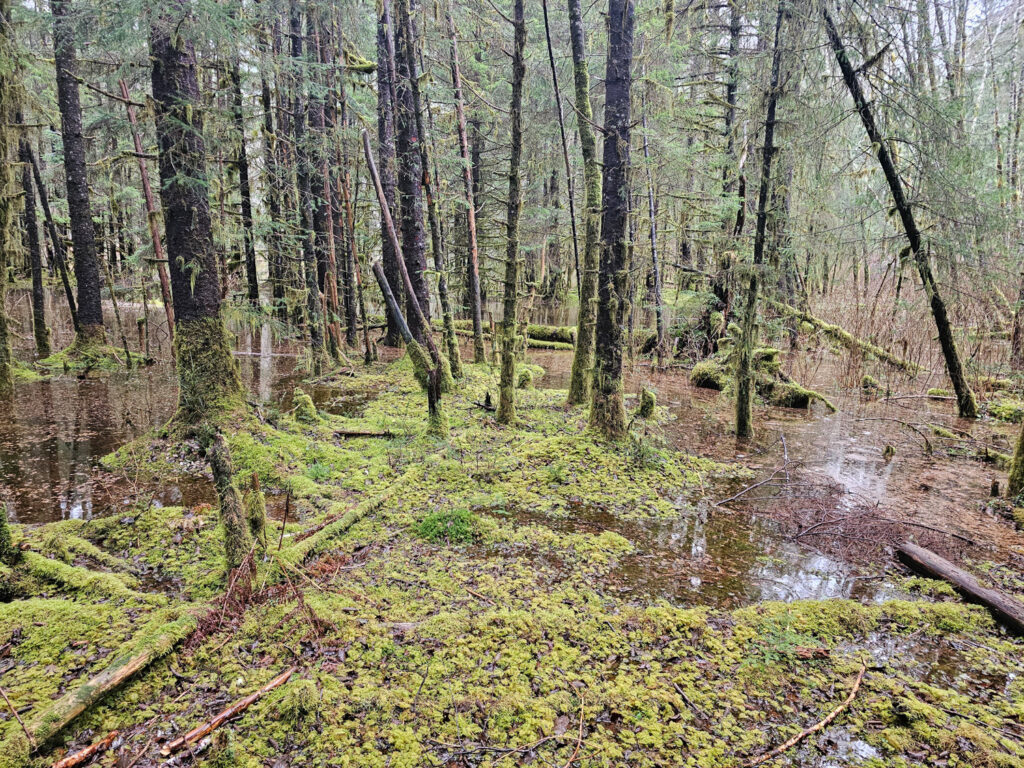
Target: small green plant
x=556, y=473
x=318, y=471
x=455, y=526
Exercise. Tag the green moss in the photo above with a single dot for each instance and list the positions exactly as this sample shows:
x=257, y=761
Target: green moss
x=455, y=526
x=8, y=552
x=788, y=394
x=208, y=378
x=647, y=402
x=525, y=380
x=938, y=392
x=303, y=408
x=766, y=360
x=869, y=384
x=1006, y=409
x=939, y=431
x=709, y=374
x=298, y=703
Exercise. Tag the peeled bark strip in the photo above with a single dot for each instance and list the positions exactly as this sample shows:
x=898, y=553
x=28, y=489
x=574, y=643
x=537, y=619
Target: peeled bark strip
x=583, y=357
x=966, y=404
x=607, y=410
x=207, y=374
x=506, y=401
x=87, y=273
x=1007, y=610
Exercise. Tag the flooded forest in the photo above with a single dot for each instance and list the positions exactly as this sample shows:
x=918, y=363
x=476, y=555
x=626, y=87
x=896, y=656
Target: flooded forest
x=492, y=383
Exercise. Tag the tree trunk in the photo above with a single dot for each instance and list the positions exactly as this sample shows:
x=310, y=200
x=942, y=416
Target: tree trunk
x=652, y=211
x=748, y=331
x=506, y=401
x=8, y=200
x=275, y=257
x=40, y=331
x=59, y=253
x=473, y=266
x=966, y=404
x=244, y=188
x=410, y=168
x=208, y=376
x=388, y=161
x=314, y=320
x=583, y=356
x=607, y=410
x=87, y=274
x=151, y=215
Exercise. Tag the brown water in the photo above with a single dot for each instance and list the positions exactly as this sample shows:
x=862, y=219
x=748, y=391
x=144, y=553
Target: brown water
x=54, y=434
x=818, y=467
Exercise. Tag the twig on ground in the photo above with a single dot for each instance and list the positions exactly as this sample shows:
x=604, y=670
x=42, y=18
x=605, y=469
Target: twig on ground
x=79, y=757
x=792, y=742
x=31, y=741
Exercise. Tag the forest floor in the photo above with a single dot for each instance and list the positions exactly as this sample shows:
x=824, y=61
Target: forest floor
x=461, y=603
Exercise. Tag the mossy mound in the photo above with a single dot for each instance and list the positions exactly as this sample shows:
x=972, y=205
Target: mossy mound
x=303, y=408
x=709, y=374
x=1006, y=409
x=789, y=394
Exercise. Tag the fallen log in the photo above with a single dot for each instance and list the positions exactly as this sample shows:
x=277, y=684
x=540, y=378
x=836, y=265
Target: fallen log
x=347, y=433
x=847, y=339
x=137, y=655
x=79, y=757
x=1007, y=610
x=235, y=709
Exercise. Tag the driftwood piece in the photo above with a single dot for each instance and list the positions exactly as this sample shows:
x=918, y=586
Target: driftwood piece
x=235, y=709
x=793, y=741
x=1007, y=610
x=82, y=755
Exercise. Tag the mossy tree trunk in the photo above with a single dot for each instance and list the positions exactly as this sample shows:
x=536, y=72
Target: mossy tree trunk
x=583, y=356
x=607, y=410
x=388, y=160
x=966, y=404
x=87, y=273
x=238, y=537
x=473, y=262
x=506, y=402
x=35, y=253
x=304, y=172
x=275, y=256
x=8, y=199
x=748, y=329
x=410, y=169
x=207, y=373
x=244, y=185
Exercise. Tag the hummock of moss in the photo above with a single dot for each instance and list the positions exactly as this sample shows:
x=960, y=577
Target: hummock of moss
x=869, y=384
x=524, y=380
x=645, y=409
x=709, y=374
x=1006, y=409
x=303, y=408
x=789, y=394
x=938, y=392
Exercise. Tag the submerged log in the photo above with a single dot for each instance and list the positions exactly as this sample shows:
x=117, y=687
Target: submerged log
x=1007, y=610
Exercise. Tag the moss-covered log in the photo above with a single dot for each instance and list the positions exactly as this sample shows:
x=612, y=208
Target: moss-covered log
x=237, y=537
x=847, y=339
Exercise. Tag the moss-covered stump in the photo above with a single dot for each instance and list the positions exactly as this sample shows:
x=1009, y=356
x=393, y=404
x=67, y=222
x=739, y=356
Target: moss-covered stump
x=645, y=409
x=709, y=374
x=209, y=383
x=303, y=408
x=789, y=394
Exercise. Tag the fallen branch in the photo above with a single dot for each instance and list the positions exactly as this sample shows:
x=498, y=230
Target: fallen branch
x=1006, y=609
x=31, y=741
x=749, y=488
x=79, y=757
x=792, y=742
x=235, y=709
x=345, y=433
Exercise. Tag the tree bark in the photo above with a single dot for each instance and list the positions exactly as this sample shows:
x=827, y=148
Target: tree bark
x=39, y=329
x=473, y=267
x=607, y=410
x=583, y=356
x=151, y=214
x=388, y=160
x=275, y=257
x=966, y=404
x=87, y=274
x=410, y=168
x=208, y=376
x=244, y=187
x=8, y=199
x=652, y=211
x=506, y=401
x=59, y=253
